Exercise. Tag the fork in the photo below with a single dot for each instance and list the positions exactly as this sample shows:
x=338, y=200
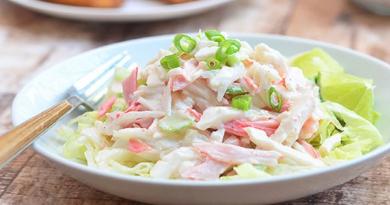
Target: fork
x=88, y=92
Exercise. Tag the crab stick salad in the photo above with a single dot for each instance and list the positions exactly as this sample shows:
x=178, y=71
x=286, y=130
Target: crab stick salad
x=212, y=107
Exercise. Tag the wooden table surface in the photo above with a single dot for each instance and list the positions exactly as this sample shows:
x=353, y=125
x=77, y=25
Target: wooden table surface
x=31, y=42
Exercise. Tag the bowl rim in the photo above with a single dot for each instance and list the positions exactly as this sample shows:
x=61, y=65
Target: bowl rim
x=378, y=152
x=119, y=14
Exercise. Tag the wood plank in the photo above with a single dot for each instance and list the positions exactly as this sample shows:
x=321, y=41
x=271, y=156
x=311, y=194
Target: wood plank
x=182, y=25
x=46, y=41
x=39, y=180
x=372, y=33
x=10, y=171
x=28, y=200
x=5, y=111
x=265, y=16
x=370, y=186
x=326, y=20
x=13, y=69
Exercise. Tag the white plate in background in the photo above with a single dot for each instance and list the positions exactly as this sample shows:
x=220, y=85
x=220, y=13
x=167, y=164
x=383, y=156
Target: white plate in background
x=48, y=87
x=131, y=11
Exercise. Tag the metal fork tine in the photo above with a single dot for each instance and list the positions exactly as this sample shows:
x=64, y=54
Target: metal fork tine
x=92, y=88
x=99, y=71
x=98, y=93
x=102, y=81
x=97, y=85
x=98, y=97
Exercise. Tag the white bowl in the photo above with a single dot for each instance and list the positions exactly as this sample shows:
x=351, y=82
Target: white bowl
x=131, y=11
x=48, y=87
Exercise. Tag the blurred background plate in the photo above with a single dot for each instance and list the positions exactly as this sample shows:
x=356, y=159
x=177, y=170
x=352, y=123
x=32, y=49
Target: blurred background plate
x=381, y=7
x=131, y=11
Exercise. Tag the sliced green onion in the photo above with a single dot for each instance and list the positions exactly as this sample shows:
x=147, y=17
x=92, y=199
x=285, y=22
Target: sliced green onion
x=214, y=35
x=242, y=102
x=232, y=60
x=227, y=48
x=235, y=90
x=233, y=46
x=175, y=123
x=275, y=99
x=184, y=43
x=213, y=64
x=170, y=62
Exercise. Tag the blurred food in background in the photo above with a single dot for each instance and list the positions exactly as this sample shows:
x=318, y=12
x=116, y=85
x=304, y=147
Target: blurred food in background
x=120, y=10
x=105, y=3
x=175, y=1
x=91, y=3
x=381, y=7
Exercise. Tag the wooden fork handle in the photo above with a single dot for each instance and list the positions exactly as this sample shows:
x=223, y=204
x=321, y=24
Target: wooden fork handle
x=20, y=137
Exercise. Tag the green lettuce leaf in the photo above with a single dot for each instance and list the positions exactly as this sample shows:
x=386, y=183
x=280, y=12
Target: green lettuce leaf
x=351, y=91
x=315, y=61
x=329, y=126
x=359, y=135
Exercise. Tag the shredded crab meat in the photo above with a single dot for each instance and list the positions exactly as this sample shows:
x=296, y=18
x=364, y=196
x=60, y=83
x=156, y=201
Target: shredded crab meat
x=292, y=121
x=207, y=169
x=137, y=146
x=166, y=100
x=129, y=85
x=213, y=117
x=190, y=119
x=266, y=55
x=106, y=106
x=224, y=78
x=309, y=149
x=250, y=84
x=262, y=141
x=202, y=95
x=170, y=164
x=236, y=127
x=182, y=77
x=123, y=119
x=149, y=97
x=237, y=155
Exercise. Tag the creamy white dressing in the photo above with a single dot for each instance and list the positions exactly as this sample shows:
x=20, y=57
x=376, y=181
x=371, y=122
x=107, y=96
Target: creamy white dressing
x=214, y=135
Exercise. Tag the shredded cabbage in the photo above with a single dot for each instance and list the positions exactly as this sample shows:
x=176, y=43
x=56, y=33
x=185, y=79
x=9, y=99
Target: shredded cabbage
x=283, y=169
x=85, y=120
x=74, y=147
x=183, y=123
x=248, y=171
